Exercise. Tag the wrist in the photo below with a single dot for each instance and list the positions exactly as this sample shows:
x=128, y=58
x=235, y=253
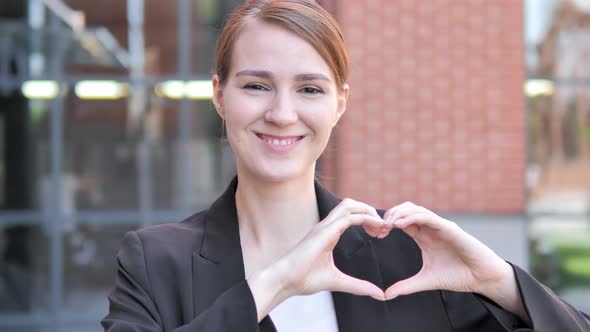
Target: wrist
x=269, y=288
x=505, y=292
x=502, y=281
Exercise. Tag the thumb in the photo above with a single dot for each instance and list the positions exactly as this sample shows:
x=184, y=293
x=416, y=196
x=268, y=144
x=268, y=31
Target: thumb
x=417, y=283
x=345, y=283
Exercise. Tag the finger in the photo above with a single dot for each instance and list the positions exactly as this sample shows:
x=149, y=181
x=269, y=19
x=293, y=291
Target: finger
x=390, y=212
x=419, y=219
x=327, y=235
x=374, y=231
x=412, y=231
x=378, y=232
x=400, y=211
x=417, y=283
x=342, y=224
x=398, y=207
x=345, y=283
x=362, y=208
x=350, y=206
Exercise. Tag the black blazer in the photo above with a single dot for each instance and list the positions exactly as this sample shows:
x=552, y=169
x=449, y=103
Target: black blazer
x=189, y=276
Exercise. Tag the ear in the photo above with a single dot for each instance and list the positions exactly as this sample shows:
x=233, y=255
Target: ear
x=342, y=100
x=217, y=96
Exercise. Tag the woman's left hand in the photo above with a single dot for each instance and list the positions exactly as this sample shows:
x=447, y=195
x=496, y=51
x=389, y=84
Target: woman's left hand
x=452, y=260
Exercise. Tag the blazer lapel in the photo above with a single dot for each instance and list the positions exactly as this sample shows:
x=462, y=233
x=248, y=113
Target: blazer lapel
x=355, y=256
x=218, y=264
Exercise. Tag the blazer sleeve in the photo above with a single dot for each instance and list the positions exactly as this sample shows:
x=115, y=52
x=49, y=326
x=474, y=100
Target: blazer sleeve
x=132, y=308
x=546, y=311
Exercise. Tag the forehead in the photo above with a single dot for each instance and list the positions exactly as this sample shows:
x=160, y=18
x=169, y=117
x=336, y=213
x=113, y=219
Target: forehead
x=266, y=46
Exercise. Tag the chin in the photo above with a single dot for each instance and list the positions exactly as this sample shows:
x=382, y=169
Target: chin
x=280, y=173
x=276, y=170
x=278, y=176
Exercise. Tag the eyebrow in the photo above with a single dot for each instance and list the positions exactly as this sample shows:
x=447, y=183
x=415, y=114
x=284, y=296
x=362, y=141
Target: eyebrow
x=268, y=75
x=257, y=73
x=312, y=77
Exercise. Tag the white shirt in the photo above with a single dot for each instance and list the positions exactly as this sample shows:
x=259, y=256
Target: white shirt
x=306, y=313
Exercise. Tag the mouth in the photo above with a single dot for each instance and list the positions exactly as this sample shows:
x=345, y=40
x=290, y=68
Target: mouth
x=279, y=141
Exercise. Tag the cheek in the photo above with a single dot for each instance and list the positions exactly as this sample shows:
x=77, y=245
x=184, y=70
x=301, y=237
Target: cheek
x=321, y=118
x=232, y=126
x=239, y=114
x=241, y=102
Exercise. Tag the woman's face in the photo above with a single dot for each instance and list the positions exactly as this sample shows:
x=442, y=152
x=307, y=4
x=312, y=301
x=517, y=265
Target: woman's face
x=280, y=103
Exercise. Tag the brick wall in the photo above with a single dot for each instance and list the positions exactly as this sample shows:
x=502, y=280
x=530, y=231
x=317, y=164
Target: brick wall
x=436, y=114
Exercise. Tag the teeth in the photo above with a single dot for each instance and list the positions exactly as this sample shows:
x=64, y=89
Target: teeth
x=280, y=142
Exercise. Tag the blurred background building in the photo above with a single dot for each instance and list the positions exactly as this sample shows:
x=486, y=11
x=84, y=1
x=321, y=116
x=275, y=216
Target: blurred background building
x=479, y=110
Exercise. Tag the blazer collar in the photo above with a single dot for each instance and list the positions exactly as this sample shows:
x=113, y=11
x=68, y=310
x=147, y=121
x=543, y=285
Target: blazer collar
x=221, y=240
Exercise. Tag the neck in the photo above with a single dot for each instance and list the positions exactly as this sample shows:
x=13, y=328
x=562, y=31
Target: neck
x=275, y=216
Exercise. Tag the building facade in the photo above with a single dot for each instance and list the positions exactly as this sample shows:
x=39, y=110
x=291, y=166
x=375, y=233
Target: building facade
x=436, y=116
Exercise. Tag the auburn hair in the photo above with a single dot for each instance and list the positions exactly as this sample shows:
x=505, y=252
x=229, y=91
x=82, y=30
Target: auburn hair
x=305, y=18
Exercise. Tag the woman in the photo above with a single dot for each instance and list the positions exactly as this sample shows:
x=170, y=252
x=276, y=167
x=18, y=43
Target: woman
x=275, y=234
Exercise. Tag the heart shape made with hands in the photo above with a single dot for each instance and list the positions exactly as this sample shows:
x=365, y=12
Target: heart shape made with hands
x=451, y=258
x=349, y=213
x=419, y=224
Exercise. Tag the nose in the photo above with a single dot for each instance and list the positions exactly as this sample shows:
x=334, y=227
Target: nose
x=282, y=111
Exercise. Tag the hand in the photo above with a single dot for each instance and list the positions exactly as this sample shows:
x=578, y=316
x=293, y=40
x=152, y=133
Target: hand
x=309, y=267
x=311, y=262
x=452, y=260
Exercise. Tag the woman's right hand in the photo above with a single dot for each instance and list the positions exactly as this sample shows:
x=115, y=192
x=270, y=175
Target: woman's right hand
x=309, y=267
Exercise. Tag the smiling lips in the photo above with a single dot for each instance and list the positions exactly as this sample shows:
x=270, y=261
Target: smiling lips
x=279, y=143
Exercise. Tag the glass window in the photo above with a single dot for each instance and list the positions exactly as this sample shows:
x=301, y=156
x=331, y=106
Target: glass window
x=558, y=173
x=79, y=168
x=24, y=269
x=100, y=156
x=89, y=251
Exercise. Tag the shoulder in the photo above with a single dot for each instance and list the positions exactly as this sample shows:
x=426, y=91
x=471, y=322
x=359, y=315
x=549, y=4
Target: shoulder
x=174, y=234
x=159, y=243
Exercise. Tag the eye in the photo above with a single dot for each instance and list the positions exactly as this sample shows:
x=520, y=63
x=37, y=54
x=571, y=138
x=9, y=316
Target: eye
x=255, y=86
x=312, y=90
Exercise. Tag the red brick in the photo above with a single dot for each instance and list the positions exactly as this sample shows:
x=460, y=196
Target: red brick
x=440, y=81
